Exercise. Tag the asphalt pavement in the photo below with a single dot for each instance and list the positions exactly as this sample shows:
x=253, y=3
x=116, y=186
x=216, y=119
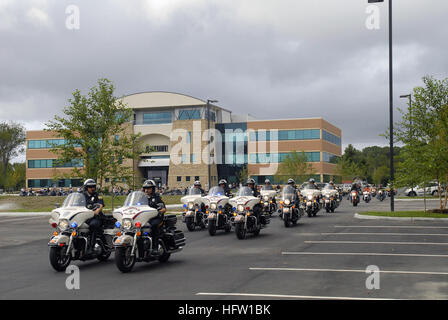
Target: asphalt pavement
x=323, y=257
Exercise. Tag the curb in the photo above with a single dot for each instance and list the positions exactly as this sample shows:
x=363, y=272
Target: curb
x=365, y=217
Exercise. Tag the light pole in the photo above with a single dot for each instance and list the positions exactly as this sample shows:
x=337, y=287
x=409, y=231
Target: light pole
x=391, y=101
x=208, y=128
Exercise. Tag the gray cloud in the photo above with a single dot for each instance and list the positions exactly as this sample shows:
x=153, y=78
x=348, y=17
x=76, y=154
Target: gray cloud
x=273, y=59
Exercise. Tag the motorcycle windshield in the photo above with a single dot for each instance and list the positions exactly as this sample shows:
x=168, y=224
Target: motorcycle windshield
x=289, y=193
x=309, y=186
x=329, y=187
x=216, y=191
x=136, y=198
x=75, y=200
x=194, y=191
x=267, y=188
x=245, y=192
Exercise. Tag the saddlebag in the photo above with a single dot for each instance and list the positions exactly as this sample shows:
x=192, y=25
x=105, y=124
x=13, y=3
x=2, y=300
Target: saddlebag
x=174, y=239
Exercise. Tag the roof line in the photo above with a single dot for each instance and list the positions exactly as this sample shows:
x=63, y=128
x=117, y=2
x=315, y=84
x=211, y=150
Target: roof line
x=172, y=92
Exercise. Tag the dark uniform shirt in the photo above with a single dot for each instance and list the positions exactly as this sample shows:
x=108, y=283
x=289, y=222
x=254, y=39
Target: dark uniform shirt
x=92, y=199
x=155, y=201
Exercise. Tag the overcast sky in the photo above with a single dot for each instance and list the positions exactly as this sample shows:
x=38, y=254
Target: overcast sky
x=272, y=59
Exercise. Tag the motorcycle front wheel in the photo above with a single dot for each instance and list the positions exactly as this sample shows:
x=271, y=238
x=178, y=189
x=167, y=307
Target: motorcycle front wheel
x=240, y=231
x=123, y=259
x=58, y=260
x=212, y=228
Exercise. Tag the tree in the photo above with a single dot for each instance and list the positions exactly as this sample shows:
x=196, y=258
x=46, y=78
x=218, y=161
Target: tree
x=243, y=174
x=295, y=166
x=98, y=135
x=424, y=132
x=12, y=139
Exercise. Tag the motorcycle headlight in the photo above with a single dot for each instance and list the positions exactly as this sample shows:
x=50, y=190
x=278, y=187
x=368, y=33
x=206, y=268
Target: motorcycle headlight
x=190, y=205
x=240, y=208
x=63, y=224
x=310, y=197
x=127, y=224
x=287, y=202
x=213, y=206
x=266, y=198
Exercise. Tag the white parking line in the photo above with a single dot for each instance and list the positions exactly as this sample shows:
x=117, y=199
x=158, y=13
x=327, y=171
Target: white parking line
x=383, y=234
x=349, y=270
x=379, y=242
x=403, y=227
x=367, y=254
x=284, y=296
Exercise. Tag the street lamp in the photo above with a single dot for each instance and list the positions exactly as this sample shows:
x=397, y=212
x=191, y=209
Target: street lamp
x=391, y=101
x=410, y=105
x=208, y=127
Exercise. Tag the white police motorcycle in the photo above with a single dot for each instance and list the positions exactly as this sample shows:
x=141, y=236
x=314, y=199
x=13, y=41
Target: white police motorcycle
x=268, y=200
x=330, y=198
x=134, y=240
x=245, y=220
x=194, y=210
x=290, y=212
x=219, y=211
x=72, y=237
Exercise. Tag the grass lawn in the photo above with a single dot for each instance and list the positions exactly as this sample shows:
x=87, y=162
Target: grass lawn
x=404, y=214
x=46, y=204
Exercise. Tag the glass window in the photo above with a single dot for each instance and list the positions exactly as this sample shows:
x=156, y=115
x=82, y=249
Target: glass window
x=189, y=114
x=179, y=178
x=157, y=117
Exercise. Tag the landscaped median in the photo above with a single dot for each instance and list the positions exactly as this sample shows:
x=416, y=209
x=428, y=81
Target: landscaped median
x=402, y=215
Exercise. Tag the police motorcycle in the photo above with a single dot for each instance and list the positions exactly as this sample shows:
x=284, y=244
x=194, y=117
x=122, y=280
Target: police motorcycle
x=290, y=212
x=245, y=220
x=133, y=242
x=267, y=194
x=218, y=211
x=381, y=195
x=330, y=198
x=72, y=238
x=366, y=196
x=194, y=214
x=354, y=198
x=311, y=198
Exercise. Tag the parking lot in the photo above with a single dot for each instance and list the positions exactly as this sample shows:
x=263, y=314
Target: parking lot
x=322, y=258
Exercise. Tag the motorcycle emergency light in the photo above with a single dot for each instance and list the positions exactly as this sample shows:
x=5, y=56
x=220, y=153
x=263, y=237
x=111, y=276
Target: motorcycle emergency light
x=54, y=224
x=118, y=224
x=138, y=224
x=74, y=225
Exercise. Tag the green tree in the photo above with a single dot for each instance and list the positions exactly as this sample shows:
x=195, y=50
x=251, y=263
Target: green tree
x=296, y=166
x=424, y=132
x=98, y=134
x=12, y=139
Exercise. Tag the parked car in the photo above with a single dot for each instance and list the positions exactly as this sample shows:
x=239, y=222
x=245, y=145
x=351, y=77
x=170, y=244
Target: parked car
x=431, y=189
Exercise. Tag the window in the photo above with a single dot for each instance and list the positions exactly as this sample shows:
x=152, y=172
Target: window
x=189, y=114
x=308, y=134
x=279, y=157
x=179, y=178
x=157, y=117
x=327, y=136
x=50, y=163
x=187, y=178
x=188, y=137
x=196, y=178
x=330, y=158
